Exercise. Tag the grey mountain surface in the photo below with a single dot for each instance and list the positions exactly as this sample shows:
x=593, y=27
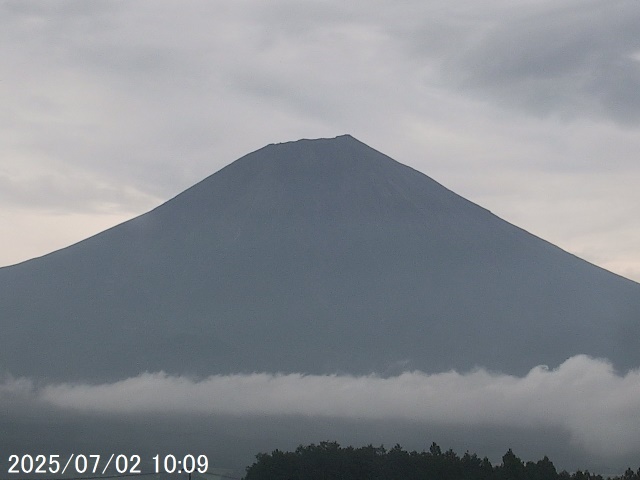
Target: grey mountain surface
x=315, y=256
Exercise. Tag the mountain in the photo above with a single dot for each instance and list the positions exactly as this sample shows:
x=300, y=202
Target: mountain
x=314, y=256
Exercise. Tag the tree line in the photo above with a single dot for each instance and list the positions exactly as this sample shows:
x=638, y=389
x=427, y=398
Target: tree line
x=330, y=461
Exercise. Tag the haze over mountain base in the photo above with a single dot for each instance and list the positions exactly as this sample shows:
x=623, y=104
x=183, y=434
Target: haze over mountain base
x=581, y=414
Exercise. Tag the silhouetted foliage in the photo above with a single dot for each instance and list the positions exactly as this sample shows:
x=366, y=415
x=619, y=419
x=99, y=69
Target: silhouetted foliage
x=330, y=461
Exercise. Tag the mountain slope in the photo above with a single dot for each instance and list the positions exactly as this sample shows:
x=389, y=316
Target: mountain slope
x=313, y=256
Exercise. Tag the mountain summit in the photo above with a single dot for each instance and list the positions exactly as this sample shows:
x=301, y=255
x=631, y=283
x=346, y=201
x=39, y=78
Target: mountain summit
x=315, y=256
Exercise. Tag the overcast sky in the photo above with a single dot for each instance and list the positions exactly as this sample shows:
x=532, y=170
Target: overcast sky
x=529, y=108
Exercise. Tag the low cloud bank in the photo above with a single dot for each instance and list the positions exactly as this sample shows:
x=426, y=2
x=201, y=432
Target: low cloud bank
x=584, y=396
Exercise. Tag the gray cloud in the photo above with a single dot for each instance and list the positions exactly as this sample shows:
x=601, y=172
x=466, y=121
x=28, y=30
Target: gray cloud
x=71, y=192
x=572, y=60
x=584, y=397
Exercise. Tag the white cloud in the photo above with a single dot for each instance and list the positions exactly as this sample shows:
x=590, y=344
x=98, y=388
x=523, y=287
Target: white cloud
x=584, y=396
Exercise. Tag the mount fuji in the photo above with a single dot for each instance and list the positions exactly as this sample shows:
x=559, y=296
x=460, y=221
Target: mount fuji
x=314, y=256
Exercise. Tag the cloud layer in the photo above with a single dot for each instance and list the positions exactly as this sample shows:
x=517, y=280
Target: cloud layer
x=585, y=397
